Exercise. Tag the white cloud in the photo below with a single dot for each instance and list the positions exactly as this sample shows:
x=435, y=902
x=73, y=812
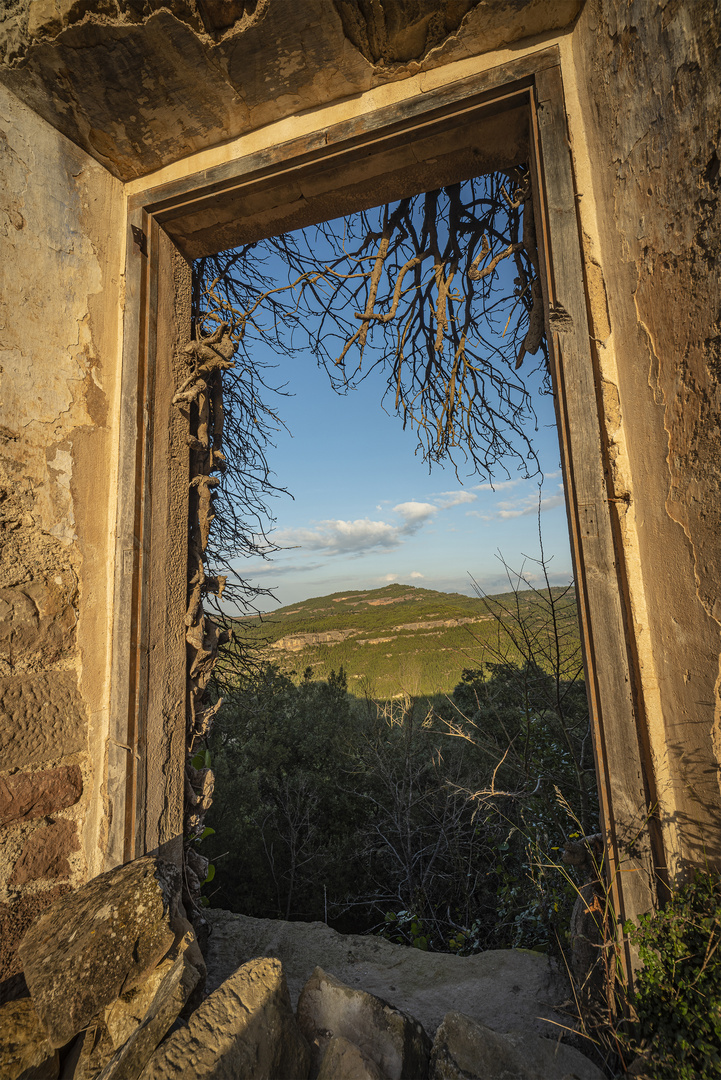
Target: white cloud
x=414, y=575
x=414, y=514
x=447, y=499
x=337, y=537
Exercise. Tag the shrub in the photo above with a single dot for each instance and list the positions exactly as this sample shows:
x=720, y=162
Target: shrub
x=678, y=994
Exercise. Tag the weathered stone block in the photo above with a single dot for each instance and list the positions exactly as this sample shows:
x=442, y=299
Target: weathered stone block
x=120, y=1042
x=41, y=718
x=31, y=795
x=343, y=1060
x=464, y=1049
x=37, y=624
x=15, y=920
x=25, y=1053
x=45, y=854
x=98, y=942
x=395, y=1042
x=183, y=928
x=45, y=17
x=245, y=1028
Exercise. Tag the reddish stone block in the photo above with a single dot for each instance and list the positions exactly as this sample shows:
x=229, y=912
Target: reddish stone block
x=45, y=854
x=31, y=795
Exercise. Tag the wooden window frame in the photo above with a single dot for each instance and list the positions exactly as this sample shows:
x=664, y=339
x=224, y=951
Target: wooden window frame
x=313, y=178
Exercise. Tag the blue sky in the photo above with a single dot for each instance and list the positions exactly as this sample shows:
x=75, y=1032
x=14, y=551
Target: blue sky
x=366, y=511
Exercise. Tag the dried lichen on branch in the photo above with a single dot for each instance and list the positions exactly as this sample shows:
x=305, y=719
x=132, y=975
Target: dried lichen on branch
x=201, y=396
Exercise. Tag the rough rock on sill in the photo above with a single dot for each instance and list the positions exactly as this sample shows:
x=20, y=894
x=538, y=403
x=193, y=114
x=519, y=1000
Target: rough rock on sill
x=506, y=989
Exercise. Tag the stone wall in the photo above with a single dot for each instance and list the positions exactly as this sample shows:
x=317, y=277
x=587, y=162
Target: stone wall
x=58, y=331
x=142, y=87
x=649, y=185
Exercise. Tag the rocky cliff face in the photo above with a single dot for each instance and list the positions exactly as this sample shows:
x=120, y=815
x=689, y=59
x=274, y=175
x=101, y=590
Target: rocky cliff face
x=297, y=642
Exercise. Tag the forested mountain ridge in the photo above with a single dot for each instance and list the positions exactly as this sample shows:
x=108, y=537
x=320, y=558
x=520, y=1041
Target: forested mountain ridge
x=396, y=639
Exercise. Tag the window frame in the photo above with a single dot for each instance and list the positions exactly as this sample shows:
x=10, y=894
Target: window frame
x=312, y=178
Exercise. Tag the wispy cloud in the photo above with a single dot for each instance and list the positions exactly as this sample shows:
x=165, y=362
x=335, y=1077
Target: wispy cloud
x=528, y=505
x=277, y=569
x=360, y=536
x=498, y=485
x=415, y=575
x=447, y=499
x=518, y=507
x=502, y=582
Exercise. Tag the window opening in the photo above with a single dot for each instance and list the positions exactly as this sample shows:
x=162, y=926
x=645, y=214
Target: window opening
x=355, y=808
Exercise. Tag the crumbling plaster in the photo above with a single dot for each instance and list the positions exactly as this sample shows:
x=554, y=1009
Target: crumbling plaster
x=61, y=226
x=140, y=83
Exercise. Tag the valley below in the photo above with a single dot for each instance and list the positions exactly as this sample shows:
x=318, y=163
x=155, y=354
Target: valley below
x=400, y=640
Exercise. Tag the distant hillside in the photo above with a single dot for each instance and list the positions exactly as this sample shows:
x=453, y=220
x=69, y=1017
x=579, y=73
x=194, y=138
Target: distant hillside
x=396, y=639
